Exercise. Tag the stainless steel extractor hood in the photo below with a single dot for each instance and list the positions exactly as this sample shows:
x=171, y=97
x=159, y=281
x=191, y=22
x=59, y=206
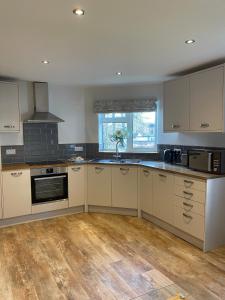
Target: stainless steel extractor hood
x=41, y=105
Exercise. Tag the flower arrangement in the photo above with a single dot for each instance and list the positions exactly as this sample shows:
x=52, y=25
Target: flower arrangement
x=118, y=137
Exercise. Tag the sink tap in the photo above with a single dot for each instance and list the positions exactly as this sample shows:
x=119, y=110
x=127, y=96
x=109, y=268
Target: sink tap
x=117, y=155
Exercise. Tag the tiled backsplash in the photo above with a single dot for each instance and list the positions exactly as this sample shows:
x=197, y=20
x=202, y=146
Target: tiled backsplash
x=40, y=144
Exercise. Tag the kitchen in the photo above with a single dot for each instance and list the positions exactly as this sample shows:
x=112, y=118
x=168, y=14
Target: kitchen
x=111, y=180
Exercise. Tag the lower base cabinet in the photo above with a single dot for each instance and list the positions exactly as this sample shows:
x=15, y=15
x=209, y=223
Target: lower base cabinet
x=146, y=190
x=76, y=185
x=99, y=185
x=189, y=222
x=125, y=187
x=163, y=194
x=16, y=188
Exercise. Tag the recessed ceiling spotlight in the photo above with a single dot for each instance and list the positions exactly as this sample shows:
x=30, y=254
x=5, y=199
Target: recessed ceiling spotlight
x=45, y=62
x=119, y=73
x=78, y=11
x=189, y=42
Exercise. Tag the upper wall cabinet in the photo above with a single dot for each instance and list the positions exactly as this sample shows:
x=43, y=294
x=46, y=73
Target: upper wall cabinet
x=206, y=100
x=176, y=105
x=195, y=102
x=9, y=107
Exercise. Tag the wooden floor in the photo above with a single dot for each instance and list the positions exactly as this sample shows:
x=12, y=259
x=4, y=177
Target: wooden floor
x=99, y=256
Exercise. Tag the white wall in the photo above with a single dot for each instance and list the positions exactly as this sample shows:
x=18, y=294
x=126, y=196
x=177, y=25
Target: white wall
x=68, y=103
x=144, y=91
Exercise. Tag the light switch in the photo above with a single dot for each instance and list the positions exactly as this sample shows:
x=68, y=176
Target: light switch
x=10, y=152
x=79, y=149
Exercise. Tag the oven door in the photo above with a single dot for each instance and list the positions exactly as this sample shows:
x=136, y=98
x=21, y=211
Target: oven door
x=47, y=188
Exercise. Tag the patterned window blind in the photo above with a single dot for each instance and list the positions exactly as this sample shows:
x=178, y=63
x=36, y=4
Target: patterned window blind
x=140, y=105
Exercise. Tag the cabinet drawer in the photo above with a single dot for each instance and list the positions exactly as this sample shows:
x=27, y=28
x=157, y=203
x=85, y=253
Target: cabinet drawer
x=190, y=223
x=190, y=206
x=190, y=183
x=189, y=194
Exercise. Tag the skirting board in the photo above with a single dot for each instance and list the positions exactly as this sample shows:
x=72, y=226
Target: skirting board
x=41, y=216
x=113, y=210
x=185, y=236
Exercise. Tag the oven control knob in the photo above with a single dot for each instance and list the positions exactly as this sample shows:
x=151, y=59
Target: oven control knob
x=49, y=170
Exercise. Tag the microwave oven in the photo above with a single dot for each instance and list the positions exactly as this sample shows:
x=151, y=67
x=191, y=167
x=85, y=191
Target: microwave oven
x=211, y=161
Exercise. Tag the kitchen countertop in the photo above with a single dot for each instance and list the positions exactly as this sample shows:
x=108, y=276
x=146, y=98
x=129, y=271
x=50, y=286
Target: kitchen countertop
x=156, y=165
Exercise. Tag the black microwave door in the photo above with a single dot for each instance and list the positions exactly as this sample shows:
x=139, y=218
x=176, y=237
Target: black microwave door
x=200, y=161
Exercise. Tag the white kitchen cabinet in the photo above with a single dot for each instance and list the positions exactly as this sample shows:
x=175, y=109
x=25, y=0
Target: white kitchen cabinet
x=9, y=107
x=16, y=188
x=206, y=100
x=1, y=193
x=77, y=185
x=163, y=195
x=146, y=190
x=176, y=105
x=99, y=185
x=125, y=187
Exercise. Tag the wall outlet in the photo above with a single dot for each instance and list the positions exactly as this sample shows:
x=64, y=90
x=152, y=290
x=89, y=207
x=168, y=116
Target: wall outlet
x=10, y=152
x=79, y=149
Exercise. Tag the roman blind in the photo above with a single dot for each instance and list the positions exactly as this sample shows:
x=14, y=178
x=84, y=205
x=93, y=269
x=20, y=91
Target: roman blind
x=110, y=106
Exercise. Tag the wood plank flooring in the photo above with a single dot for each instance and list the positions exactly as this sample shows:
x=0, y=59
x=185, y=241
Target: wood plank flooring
x=103, y=256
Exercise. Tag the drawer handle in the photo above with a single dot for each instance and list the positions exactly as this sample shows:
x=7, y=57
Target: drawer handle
x=188, y=205
x=188, y=193
x=187, y=216
x=146, y=172
x=162, y=175
x=76, y=169
x=175, y=126
x=9, y=126
x=204, y=125
x=99, y=169
x=188, y=182
x=124, y=171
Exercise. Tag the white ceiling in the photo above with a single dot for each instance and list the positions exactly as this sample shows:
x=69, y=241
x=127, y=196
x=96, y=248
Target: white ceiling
x=142, y=38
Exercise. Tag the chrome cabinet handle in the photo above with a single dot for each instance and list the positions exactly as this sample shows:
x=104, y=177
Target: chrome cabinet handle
x=204, y=125
x=175, y=126
x=162, y=175
x=146, y=172
x=187, y=193
x=99, y=169
x=188, y=181
x=76, y=169
x=188, y=205
x=16, y=174
x=187, y=216
x=124, y=171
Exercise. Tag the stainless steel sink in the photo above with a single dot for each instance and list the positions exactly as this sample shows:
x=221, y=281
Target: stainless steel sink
x=117, y=161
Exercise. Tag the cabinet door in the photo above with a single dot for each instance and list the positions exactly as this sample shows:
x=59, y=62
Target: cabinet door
x=163, y=196
x=146, y=191
x=1, y=213
x=76, y=185
x=124, y=187
x=16, y=193
x=176, y=105
x=9, y=107
x=206, y=100
x=99, y=185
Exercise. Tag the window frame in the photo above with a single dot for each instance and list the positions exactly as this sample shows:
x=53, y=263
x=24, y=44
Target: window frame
x=129, y=120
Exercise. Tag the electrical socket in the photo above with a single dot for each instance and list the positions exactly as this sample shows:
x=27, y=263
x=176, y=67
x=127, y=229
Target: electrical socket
x=79, y=149
x=10, y=152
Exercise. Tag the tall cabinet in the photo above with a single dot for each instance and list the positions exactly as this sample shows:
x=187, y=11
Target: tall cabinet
x=9, y=107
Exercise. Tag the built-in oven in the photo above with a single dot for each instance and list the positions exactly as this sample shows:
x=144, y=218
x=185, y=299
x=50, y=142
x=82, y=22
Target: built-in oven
x=49, y=184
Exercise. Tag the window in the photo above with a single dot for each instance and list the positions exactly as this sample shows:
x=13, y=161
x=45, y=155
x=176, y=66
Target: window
x=140, y=131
